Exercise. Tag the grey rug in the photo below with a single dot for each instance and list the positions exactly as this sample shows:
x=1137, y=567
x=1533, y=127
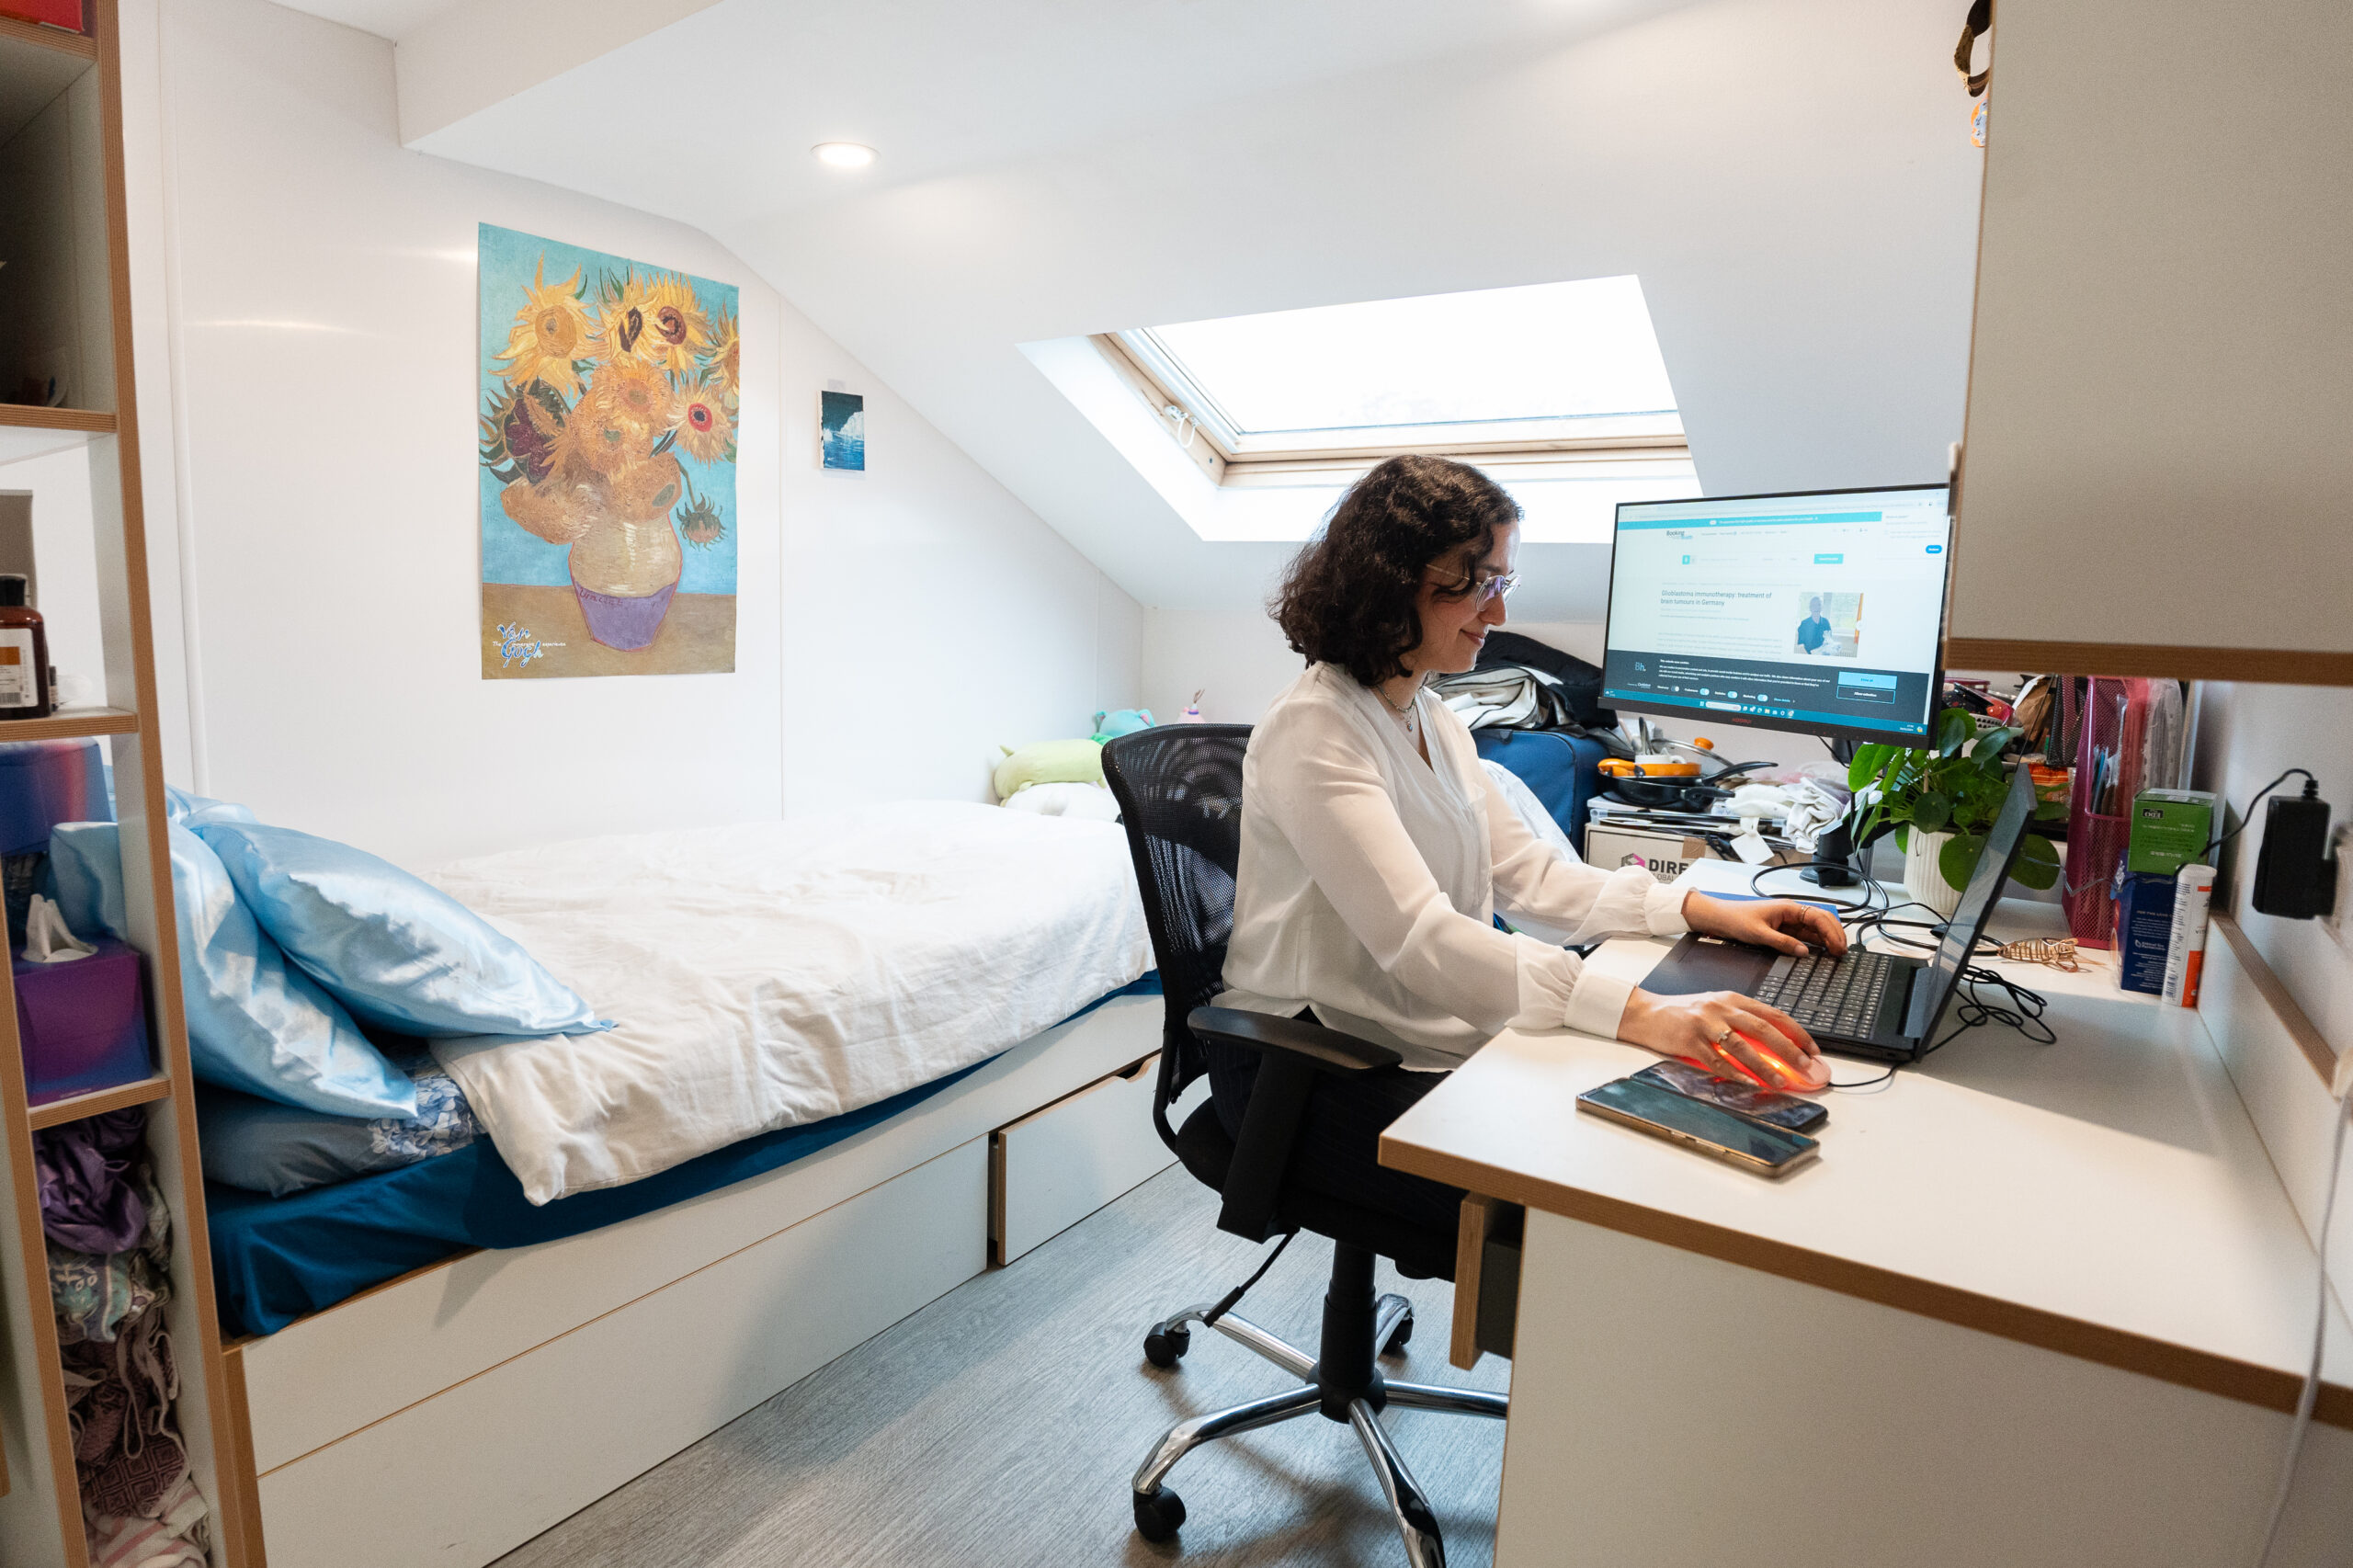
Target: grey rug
x=999, y=1426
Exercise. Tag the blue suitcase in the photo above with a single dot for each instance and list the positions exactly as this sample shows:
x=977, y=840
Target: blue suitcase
x=1563, y=771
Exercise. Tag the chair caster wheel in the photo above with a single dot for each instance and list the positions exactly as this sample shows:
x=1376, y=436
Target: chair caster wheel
x=1159, y=1515
x=1399, y=1337
x=1164, y=1347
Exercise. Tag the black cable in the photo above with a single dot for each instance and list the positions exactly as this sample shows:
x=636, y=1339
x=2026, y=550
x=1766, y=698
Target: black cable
x=1227, y=1302
x=2311, y=787
x=2024, y=1015
x=1874, y=895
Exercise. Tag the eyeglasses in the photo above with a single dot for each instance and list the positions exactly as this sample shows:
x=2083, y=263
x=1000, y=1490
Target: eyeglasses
x=1487, y=586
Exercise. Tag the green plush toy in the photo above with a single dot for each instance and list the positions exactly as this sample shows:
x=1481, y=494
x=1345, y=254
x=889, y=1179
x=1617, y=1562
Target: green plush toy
x=1126, y=722
x=1048, y=762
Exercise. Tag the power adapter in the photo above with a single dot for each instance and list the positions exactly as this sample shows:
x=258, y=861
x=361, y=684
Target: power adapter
x=2295, y=875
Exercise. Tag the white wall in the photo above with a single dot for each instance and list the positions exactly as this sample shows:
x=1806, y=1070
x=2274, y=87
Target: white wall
x=305, y=297
x=2248, y=735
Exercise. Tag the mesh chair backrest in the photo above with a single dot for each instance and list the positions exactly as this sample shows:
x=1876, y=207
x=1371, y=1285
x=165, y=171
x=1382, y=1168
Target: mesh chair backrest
x=1179, y=789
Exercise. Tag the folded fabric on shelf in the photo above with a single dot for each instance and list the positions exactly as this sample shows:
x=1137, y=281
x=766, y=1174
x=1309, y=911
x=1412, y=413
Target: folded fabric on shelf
x=96, y=1295
x=127, y=1451
x=173, y=1539
x=88, y=1203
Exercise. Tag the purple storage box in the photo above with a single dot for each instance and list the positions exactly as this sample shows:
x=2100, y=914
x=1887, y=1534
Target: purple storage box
x=83, y=1026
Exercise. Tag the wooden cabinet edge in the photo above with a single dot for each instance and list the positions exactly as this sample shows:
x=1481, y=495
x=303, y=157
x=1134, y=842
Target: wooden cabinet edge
x=98, y=1102
x=80, y=45
x=2272, y=667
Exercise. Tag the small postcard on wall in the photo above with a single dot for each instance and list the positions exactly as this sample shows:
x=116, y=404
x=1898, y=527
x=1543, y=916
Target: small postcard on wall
x=841, y=430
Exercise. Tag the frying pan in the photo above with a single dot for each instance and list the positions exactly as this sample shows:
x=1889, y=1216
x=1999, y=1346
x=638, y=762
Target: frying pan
x=1678, y=794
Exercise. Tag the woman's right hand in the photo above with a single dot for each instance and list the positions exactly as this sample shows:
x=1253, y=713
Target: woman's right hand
x=1709, y=1027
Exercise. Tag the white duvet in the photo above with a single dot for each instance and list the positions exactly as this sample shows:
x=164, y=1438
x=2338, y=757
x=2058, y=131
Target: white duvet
x=776, y=973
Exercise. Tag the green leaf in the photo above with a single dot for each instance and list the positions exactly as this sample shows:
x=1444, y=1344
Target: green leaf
x=1987, y=752
x=1931, y=811
x=1870, y=757
x=2038, y=863
x=1953, y=731
x=1958, y=857
x=2050, y=810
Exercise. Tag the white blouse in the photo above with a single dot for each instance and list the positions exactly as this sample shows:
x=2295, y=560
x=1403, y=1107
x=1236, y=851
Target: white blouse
x=1367, y=880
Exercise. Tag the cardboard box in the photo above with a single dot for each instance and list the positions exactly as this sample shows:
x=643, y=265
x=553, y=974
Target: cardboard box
x=2143, y=930
x=2170, y=829
x=1665, y=854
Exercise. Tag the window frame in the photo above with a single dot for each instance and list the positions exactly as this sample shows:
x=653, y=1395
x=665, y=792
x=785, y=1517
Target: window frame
x=1531, y=447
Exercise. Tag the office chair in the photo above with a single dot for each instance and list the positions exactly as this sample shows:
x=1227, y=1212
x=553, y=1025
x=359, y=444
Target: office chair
x=1179, y=789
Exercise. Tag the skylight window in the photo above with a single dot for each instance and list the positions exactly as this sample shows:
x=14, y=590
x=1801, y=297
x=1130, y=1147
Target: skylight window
x=1251, y=427
x=1545, y=354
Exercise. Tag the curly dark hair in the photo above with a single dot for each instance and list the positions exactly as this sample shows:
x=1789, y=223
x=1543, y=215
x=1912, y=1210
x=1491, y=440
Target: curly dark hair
x=1347, y=598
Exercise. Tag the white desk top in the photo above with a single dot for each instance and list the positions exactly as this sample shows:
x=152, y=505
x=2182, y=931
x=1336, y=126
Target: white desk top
x=2106, y=1196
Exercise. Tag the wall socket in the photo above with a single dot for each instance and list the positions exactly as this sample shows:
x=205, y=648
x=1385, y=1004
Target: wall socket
x=2340, y=840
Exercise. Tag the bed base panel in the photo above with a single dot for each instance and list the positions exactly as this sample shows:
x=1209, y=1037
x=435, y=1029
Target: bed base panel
x=334, y=1373
x=458, y=1479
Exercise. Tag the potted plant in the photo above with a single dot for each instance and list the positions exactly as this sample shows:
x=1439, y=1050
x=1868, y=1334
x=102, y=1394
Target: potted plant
x=1940, y=803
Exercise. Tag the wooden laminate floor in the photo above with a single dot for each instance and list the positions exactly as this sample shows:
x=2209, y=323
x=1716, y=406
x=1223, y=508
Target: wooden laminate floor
x=999, y=1426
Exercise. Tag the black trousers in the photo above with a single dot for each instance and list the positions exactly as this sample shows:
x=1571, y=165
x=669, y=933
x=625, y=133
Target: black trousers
x=1339, y=1136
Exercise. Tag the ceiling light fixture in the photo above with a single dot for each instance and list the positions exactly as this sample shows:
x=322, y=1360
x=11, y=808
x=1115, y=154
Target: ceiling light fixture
x=843, y=154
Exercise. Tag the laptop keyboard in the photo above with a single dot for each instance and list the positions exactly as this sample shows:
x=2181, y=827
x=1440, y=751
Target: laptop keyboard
x=1838, y=995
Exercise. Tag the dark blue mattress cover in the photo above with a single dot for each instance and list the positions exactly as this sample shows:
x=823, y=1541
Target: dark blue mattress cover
x=276, y=1259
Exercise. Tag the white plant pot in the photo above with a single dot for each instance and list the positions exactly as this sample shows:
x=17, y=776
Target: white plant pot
x=1923, y=878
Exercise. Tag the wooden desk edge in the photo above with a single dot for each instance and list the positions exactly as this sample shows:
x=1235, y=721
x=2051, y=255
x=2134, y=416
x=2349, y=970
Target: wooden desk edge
x=2120, y=1348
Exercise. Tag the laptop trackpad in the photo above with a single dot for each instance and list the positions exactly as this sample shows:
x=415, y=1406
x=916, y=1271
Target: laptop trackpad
x=1703, y=964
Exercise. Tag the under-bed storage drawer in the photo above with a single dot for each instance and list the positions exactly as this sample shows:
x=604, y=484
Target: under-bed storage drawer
x=1058, y=1164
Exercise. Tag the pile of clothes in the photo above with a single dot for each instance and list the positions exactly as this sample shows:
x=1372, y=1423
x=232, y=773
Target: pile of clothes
x=1521, y=684
x=108, y=1236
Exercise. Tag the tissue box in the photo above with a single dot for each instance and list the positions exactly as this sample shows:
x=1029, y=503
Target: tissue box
x=82, y=1025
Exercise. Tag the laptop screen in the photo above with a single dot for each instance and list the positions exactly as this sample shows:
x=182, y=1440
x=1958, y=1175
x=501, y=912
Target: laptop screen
x=1985, y=887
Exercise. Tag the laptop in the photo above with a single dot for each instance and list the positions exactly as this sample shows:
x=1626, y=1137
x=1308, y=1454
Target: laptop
x=1881, y=1005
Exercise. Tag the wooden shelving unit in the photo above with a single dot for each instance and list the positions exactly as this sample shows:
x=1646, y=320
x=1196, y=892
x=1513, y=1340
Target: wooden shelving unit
x=61, y=166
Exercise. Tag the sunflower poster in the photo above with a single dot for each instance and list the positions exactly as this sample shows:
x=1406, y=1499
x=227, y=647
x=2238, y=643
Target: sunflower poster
x=610, y=391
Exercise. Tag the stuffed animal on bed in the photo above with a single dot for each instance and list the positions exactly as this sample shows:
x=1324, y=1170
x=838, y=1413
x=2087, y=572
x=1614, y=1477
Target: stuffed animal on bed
x=1126, y=722
x=1048, y=762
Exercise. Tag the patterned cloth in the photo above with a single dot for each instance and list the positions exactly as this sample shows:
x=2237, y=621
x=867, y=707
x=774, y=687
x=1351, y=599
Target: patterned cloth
x=94, y=1296
x=127, y=1451
x=443, y=1120
x=175, y=1538
x=88, y=1200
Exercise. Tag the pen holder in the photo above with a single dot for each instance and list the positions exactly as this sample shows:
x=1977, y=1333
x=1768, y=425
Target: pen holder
x=2099, y=820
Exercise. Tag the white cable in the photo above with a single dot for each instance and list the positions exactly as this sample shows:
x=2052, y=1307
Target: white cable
x=2342, y=1088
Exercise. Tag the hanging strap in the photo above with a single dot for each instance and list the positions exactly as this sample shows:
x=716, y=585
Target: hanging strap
x=1980, y=23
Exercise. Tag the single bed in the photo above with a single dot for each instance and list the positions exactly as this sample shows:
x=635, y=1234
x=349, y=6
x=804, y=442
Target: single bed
x=781, y=1149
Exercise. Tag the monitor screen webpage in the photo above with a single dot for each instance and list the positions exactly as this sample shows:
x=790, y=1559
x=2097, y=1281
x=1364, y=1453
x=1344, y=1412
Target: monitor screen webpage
x=1819, y=612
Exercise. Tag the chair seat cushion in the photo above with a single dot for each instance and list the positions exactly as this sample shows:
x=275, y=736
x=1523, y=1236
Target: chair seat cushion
x=1419, y=1252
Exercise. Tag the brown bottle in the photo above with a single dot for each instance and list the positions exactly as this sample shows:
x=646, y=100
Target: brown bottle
x=24, y=654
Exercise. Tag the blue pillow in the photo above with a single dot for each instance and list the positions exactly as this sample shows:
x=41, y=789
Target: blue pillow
x=254, y=1022
x=195, y=811
x=400, y=954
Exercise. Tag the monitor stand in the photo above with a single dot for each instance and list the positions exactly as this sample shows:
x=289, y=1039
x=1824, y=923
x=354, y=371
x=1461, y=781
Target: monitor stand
x=1832, y=859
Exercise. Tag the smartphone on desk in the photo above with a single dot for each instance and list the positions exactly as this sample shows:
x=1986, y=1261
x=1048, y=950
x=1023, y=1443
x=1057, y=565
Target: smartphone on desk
x=1708, y=1128
x=1791, y=1111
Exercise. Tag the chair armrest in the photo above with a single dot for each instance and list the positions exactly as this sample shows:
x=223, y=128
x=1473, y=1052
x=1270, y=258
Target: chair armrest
x=1326, y=1051
x=1292, y=1055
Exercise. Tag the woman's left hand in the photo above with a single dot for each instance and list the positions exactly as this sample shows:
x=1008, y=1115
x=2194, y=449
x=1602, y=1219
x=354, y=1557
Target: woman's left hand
x=1782, y=924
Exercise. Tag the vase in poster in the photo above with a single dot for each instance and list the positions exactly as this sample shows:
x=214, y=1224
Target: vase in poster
x=610, y=392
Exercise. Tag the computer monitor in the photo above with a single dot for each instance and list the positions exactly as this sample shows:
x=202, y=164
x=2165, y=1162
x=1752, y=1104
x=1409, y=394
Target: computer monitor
x=1821, y=610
